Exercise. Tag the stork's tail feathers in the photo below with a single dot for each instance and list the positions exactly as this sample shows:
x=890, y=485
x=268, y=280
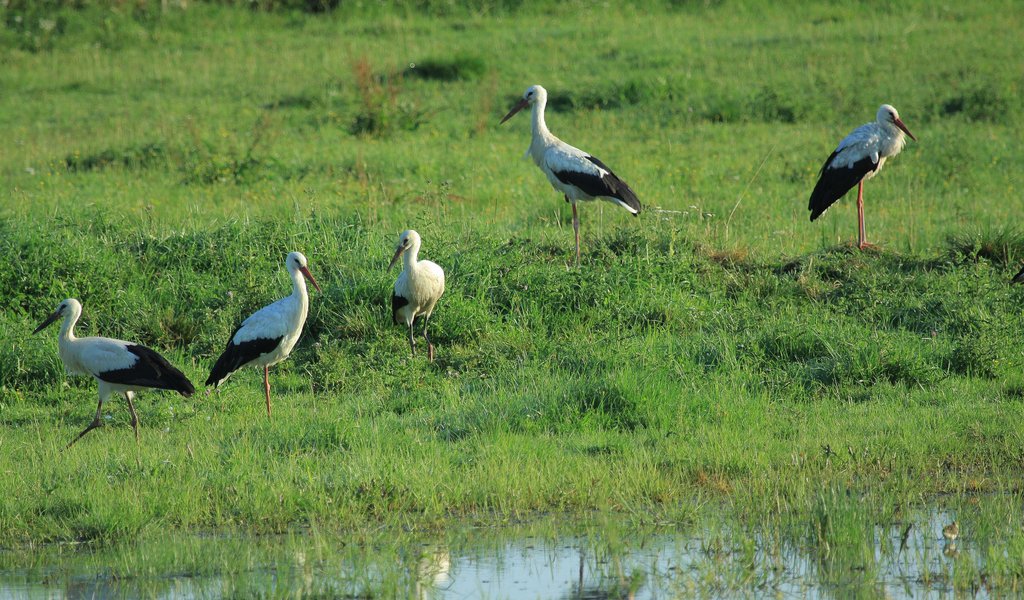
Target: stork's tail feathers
x=182, y=385
x=174, y=380
x=225, y=366
x=628, y=199
x=1019, y=277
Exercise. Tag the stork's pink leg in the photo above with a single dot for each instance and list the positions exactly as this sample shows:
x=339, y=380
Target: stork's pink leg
x=576, y=231
x=266, y=386
x=862, y=236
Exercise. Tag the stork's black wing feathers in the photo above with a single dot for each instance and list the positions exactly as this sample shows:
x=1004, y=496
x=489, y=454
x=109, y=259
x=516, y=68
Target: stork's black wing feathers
x=1019, y=277
x=397, y=302
x=150, y=370
x=833, y=183
x=609, y=185
x=236, y=356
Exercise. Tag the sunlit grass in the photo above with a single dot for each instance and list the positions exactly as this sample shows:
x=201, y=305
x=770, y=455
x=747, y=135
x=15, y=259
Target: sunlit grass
x=718, y=358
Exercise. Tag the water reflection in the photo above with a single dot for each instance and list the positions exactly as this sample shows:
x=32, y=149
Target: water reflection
x=908, y=562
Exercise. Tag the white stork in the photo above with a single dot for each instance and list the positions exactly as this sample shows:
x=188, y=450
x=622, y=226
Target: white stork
x=417, y=289
x=859, y=157
x=571, y=171
x=269, y=334
x=118, y=366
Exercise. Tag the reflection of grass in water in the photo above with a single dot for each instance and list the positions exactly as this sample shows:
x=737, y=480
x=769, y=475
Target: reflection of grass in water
x=711, y=555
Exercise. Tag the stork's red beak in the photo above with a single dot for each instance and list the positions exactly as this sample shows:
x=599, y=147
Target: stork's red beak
x=899, y=123
x=50, y=319
x=309, y=276
x=518, y=107
x=398, y=252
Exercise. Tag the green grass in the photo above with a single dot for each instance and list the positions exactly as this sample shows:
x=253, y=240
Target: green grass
x=718, y=355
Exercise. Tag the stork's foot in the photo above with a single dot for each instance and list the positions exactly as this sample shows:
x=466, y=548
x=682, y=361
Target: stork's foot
x=95, y=423
x=865, y=245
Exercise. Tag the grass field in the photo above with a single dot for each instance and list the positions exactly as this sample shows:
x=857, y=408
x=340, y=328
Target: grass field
x=720, y=355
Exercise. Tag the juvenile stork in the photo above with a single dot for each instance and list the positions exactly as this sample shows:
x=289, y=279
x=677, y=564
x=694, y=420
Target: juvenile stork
x=269, y=334
x=118, y=366
x=571, y=171
x=859, y=157
x=417, y=289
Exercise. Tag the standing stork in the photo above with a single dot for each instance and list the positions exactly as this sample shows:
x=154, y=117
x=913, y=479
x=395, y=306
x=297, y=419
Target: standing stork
x=859, y=157
x=571, y=171
x=118, y=366
x=269, y=334
x=417, y=289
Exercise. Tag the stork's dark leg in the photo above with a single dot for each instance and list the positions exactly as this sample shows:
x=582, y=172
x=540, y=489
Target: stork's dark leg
x=95, y=423
x=266, y=386
x=576, y=231
x=135, y=416
x=412, y=340
x=862, y=237
x=430, y=347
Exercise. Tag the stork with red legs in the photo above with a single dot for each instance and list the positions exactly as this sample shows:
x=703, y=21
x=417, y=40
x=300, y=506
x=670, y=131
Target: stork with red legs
x=857, y=158
x=573, y=172
x=269, y=334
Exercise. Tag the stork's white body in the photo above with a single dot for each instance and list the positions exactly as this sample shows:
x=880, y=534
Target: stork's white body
x=94, y=355
x=281, y=320
x=421, y=283
x=417, y=289
x=875, y=141
x=554, y=157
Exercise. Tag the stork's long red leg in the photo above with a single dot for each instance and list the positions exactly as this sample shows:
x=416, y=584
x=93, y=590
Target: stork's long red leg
x=95, y=423
x=862, y=236
x=576, y=231
x=266, y=386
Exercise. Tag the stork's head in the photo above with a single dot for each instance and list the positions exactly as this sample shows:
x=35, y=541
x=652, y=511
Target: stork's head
x=532, y=95
x=887, y=115
x=65, y=309
x=296, y=261
x=409, y=239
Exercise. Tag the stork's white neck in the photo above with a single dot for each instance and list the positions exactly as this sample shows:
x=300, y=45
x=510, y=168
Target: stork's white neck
x=411, y=256
x=298, y=284
x=67, y=328
x=540, y=127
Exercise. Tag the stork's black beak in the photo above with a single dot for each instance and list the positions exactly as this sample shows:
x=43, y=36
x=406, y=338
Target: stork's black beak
x=518, y=107
x=50, y=319
x=899, y=123
x=398, y=252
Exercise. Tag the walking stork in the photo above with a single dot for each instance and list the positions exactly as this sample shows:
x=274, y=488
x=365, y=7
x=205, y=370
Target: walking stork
x=571, y=171
x=269, y=334
x=859, y=157
x=118, y=366
x=417, y=289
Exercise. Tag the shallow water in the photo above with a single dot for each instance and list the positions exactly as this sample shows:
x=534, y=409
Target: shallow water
x=613, y=561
